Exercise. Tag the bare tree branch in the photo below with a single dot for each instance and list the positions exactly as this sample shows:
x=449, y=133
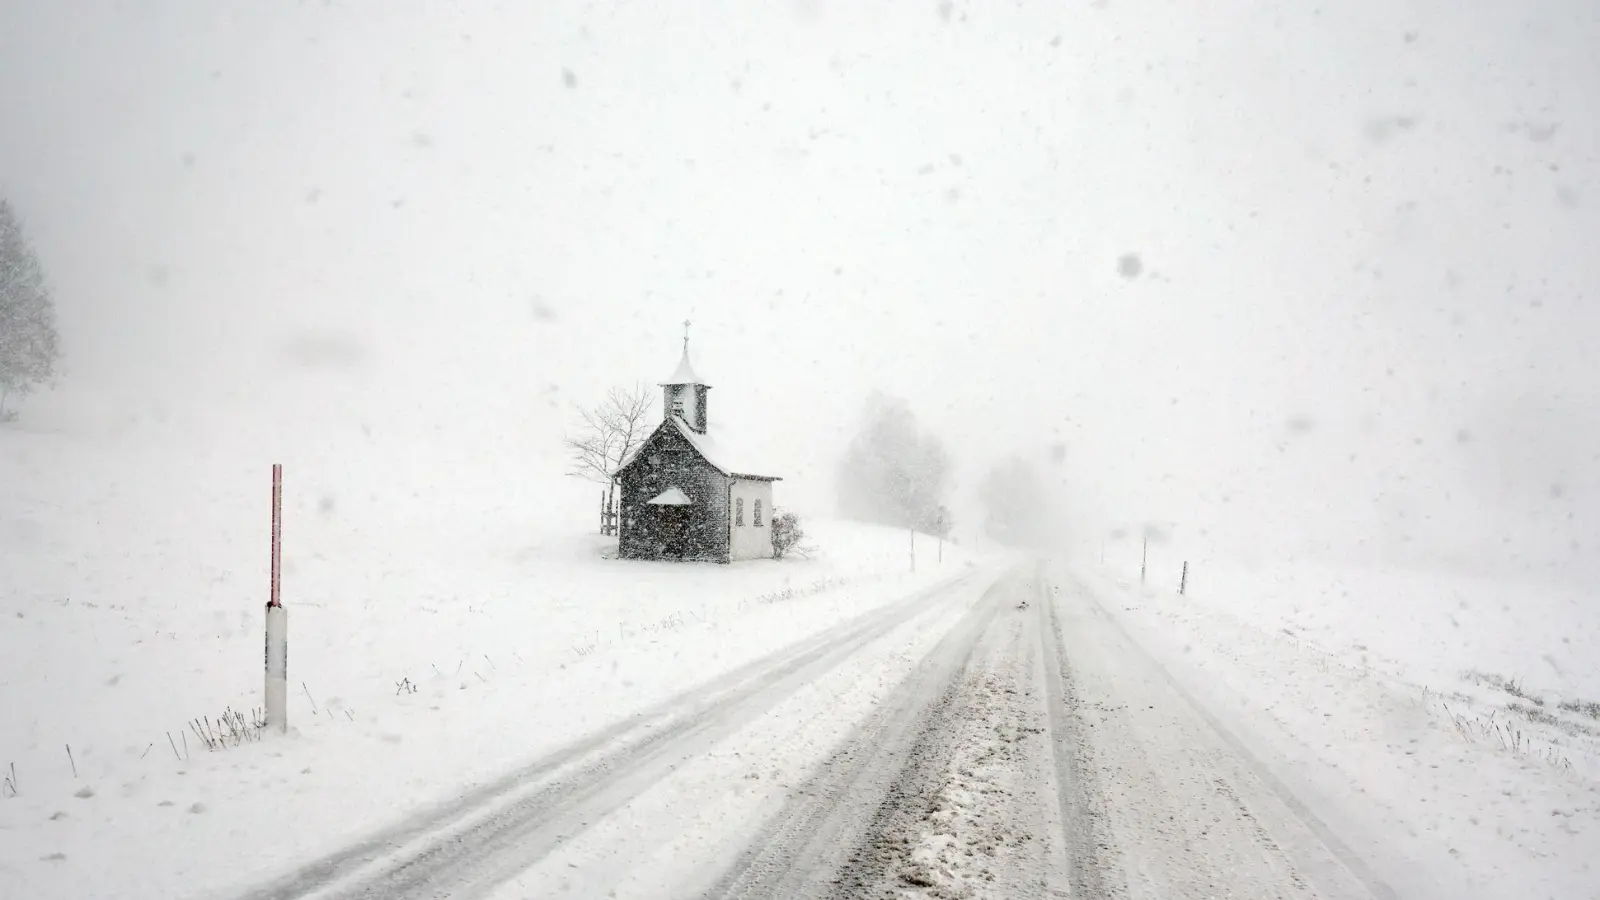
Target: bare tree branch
x=610, y=430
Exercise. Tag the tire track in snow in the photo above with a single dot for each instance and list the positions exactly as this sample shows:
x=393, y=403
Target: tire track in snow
x=944, y=791
x=470, y=844
x=975, y=815
x=1077, y=790
x=1291, y=835
x=941, y=794
x=798, y=852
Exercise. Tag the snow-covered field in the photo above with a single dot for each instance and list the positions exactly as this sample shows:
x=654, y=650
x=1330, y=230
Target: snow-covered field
x=447, y=628
x=438, y=637
x=1429, y=627
x=1446, y=727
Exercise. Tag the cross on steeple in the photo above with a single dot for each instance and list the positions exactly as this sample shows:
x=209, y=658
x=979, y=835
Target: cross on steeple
x=686, y=337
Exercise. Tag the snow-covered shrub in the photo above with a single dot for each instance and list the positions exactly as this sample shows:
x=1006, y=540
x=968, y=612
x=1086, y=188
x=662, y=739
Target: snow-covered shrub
x=787, y=535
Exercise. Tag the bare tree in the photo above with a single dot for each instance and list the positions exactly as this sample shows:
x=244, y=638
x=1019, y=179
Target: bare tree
x=611, y=430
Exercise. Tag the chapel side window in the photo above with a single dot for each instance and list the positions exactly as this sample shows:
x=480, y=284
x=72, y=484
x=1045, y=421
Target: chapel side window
x=738, y=511
x=756, y=517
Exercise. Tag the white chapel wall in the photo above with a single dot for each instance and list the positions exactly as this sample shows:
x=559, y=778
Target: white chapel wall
x=751, y=541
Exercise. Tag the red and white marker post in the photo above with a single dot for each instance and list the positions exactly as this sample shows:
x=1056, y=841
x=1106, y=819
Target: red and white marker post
x=277, y=618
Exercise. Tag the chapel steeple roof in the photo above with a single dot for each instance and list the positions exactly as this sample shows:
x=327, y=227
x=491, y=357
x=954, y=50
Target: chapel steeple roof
x=685, y=373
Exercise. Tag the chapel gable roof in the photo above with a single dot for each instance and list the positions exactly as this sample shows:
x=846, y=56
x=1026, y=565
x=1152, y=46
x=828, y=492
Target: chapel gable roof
x=714, y=449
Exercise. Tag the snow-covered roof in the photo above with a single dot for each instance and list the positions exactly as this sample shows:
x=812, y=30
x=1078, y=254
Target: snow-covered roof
x=684, y=374
x=672, y=496
x=720, y=453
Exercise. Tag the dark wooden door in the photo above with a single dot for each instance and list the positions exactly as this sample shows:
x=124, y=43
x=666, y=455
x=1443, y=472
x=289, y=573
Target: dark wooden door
x=674, y=531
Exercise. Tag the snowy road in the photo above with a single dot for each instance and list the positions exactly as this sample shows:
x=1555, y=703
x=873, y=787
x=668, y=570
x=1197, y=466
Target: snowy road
x=993, y=737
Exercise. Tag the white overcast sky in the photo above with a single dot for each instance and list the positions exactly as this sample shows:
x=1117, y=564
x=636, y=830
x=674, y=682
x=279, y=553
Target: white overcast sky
x=1364, y=321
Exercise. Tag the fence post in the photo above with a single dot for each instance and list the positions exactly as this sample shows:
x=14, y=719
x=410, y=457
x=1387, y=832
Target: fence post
x=1144, y=556
x=277, y=655
x=1183, y=580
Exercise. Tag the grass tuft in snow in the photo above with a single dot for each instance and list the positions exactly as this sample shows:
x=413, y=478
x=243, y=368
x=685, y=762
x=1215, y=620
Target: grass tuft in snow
x=1510, y=686
x=1588, y=708
x=1478, y=728
x=1515, y=689
x=790, y=593
x=230, y=730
